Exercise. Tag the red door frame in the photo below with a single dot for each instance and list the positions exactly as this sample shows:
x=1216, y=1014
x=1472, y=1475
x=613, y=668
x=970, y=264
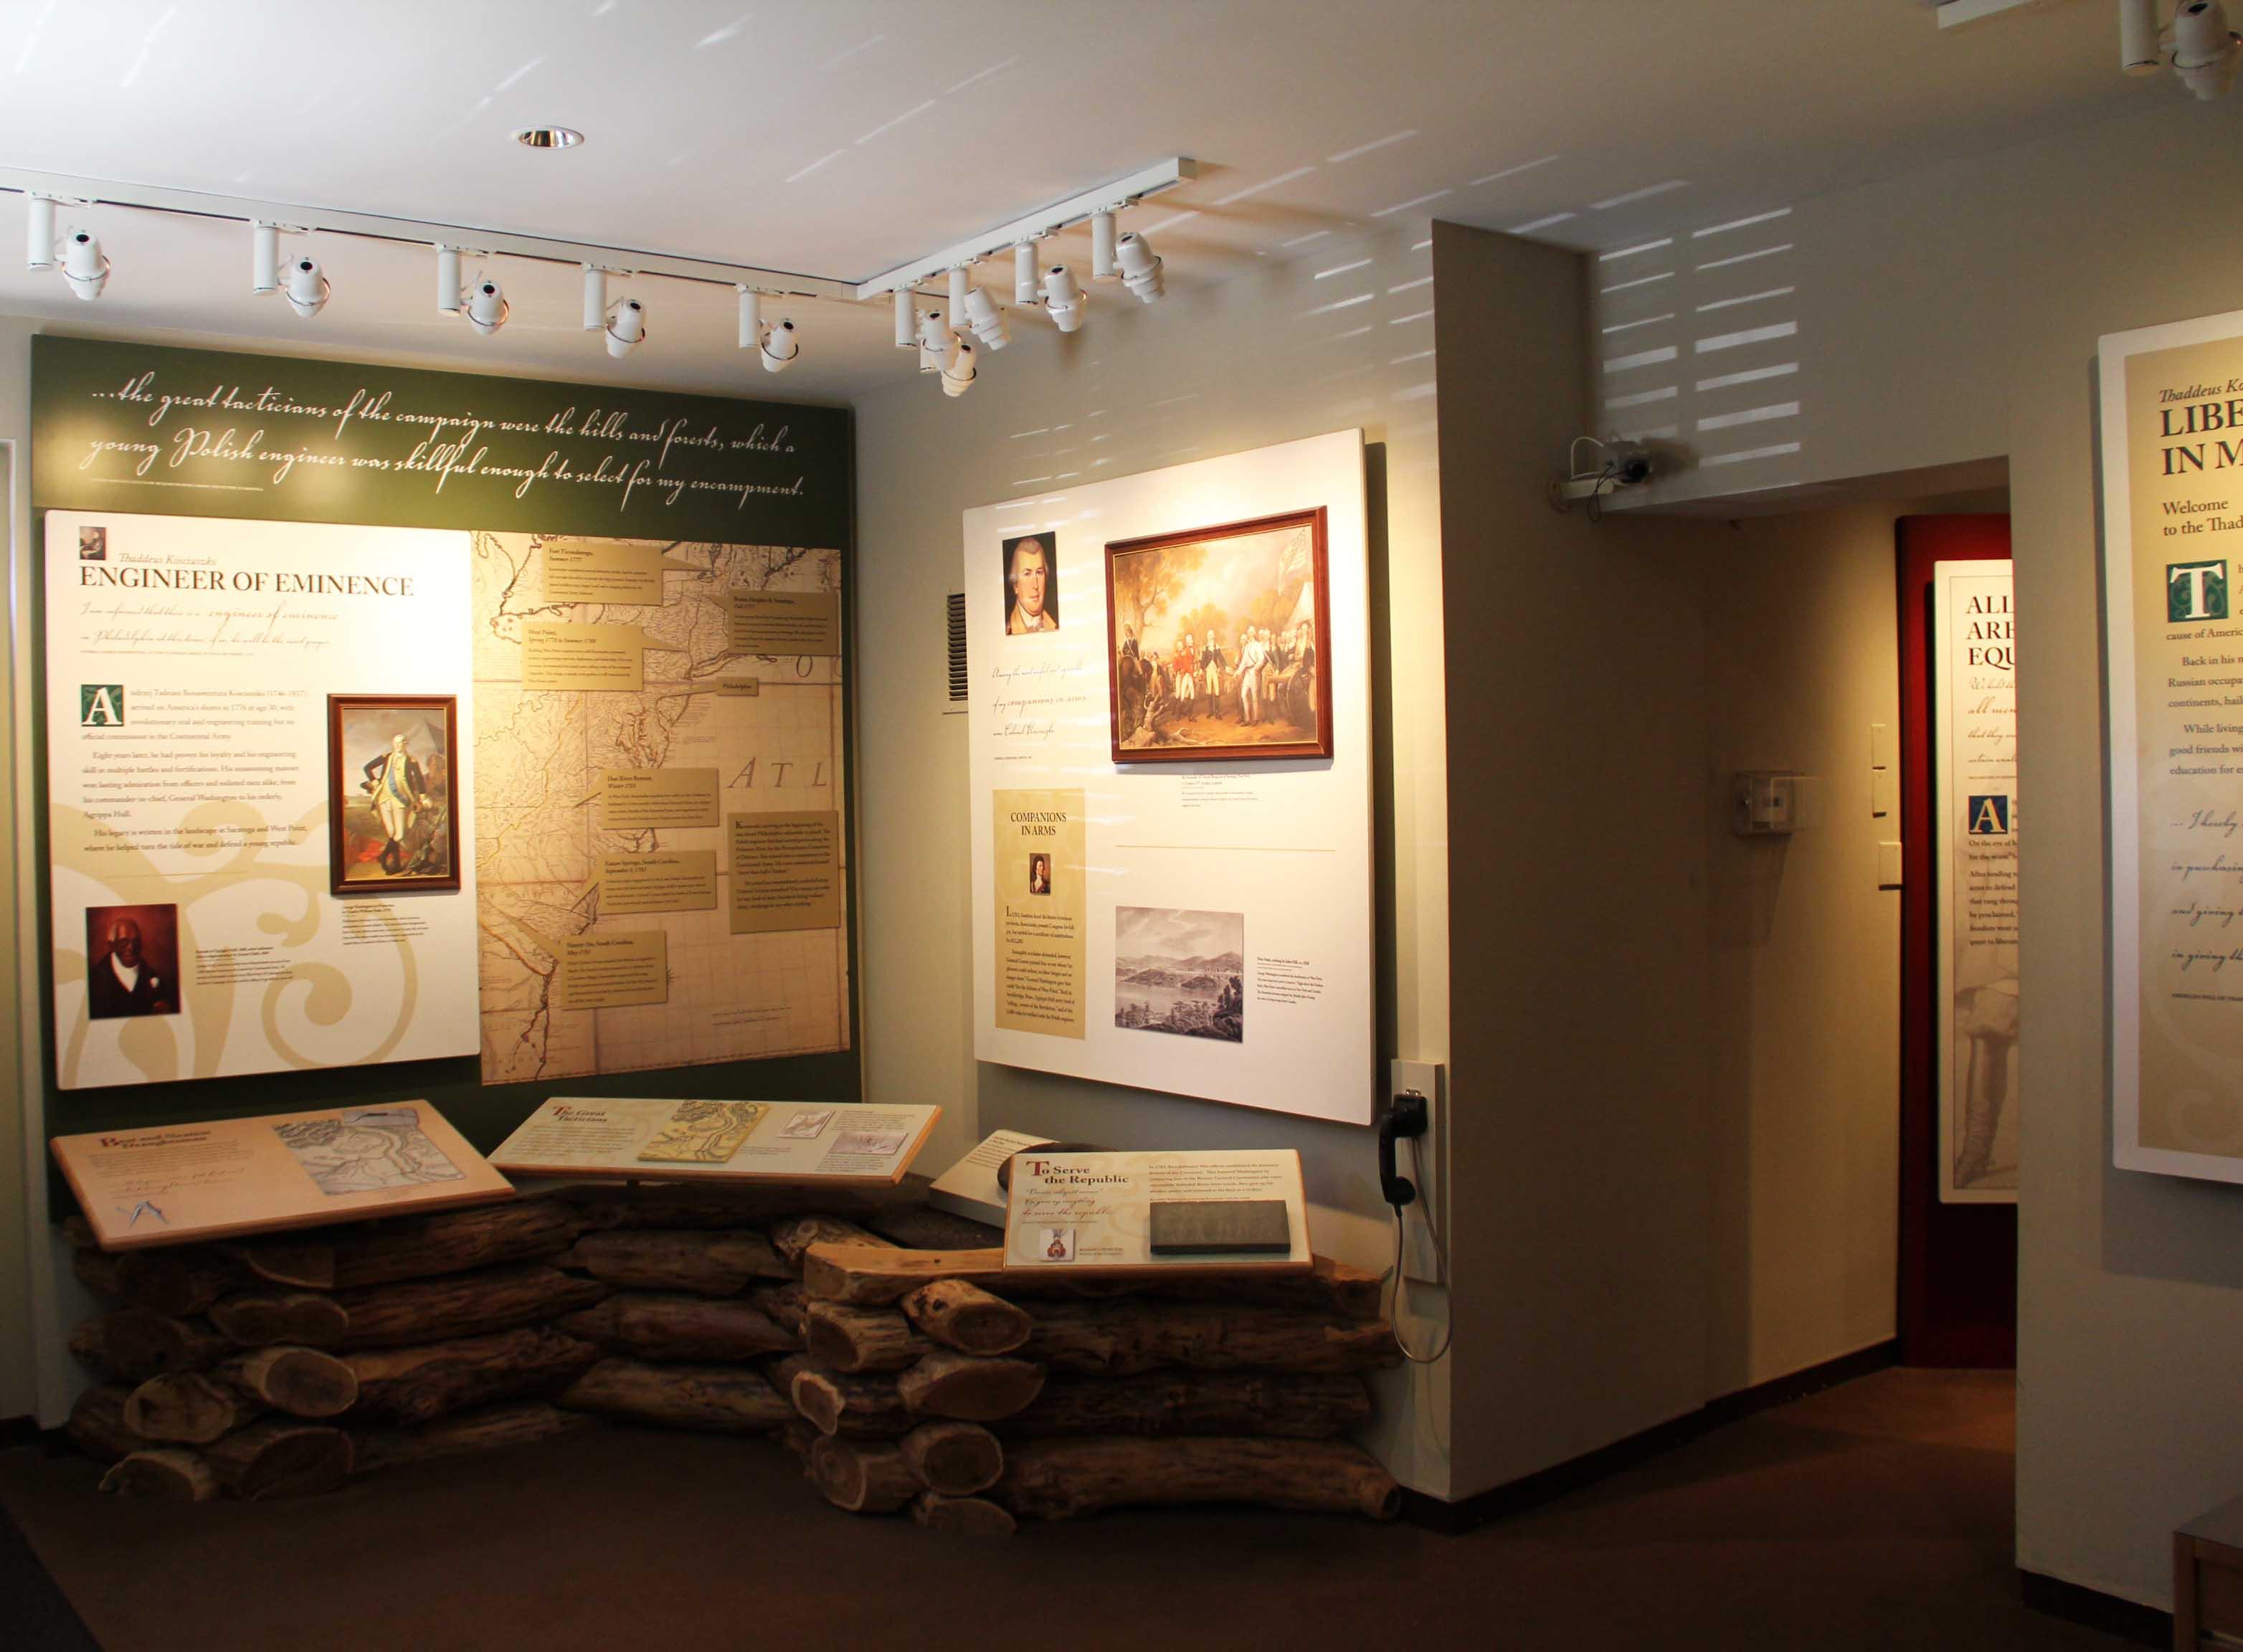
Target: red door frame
x=1958, y=1262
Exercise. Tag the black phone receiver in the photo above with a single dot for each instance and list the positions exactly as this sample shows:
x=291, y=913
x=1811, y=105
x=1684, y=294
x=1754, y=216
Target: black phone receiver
x=1405, y=1115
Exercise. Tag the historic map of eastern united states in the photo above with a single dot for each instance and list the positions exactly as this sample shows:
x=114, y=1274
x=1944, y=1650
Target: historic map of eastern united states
x=539, y=759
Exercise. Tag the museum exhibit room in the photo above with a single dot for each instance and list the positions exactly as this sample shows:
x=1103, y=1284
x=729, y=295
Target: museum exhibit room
x=1162, y=824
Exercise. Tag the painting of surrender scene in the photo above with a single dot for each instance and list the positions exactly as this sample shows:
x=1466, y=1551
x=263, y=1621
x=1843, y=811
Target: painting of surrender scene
x=390, y=825
x=1218, y=642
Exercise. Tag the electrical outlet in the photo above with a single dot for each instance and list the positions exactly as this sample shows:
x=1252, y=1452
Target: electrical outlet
x=1430, y=1171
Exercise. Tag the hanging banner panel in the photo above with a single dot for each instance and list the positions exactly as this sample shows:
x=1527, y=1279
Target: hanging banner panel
x=1974, y=653
x=2173, y=535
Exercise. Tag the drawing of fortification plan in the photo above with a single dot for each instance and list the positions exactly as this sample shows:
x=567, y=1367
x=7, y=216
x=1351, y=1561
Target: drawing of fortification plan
x=367, y=1150
x=702, y=1133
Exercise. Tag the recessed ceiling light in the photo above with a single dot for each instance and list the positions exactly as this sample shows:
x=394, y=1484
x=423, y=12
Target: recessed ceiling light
x=548, y=137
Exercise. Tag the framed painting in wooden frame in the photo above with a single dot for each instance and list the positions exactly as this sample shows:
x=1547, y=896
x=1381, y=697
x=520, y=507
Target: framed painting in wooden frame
x=1216, y=643
x=393, y=819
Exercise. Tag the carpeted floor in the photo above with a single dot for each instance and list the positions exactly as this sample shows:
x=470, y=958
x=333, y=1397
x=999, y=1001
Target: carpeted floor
x=1873, y=1515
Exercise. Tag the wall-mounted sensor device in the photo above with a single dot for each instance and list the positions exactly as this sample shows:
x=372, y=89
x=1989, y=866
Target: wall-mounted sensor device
x=1768, y=805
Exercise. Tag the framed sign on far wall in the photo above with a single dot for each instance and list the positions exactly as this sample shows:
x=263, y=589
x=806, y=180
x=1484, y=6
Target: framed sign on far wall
x=2173, y=537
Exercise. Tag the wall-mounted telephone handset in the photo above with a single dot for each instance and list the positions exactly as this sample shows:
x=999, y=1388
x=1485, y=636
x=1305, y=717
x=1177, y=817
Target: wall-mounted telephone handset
x=1406, y=1116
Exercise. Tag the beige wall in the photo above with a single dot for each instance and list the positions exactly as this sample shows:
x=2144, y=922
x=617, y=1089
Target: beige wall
x=23, y=1202
x=1946, y=316
x=1268, y=358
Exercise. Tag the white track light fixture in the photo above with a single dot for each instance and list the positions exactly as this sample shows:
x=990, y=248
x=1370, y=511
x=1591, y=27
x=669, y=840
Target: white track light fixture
x=780, y=346
x=937, y=341
x=961, y=278
x=264, y=258
x=487, y=308
x=985, y=318
x=1102, y=267
x=2204, y=49
x=1024, y=274
x=907, y=320
x=752, y=318
x=40, y=232
x=596, y=297
x=1063, y=298
x=307, y=287
x=2138, y=37
x=958, y=374
x=84, y=265
x=1141, y=268
x=626, y=328
x=448, y=278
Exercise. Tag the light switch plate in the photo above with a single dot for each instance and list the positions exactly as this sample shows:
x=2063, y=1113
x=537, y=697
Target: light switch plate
x=1430, y=1173
x=1888, y=866
x=1881, y=745
x=1884, y=792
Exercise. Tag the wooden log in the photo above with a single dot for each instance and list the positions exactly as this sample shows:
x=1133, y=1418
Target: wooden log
x=281, y=1458
x=188, y=1408
x=861, y=1476
x=445, y=1242
x=97, y=1423
x=783, y=1304
x=720, y=1399
x=1122, y=1338
x=1059, y=1479
x=841, y=1337
x=969, y=1388
x=965, y=1317
x=717, y=1262
x=418, y=1385
x=462, y=1304
x=796, y=1234
x=173, y=1279
x=705, y=1204
x=679, y=1327
x=165, y=1474
x=514, y=1423
x=968, y=1516
x=1199, y=1402
x=135, y=1345
x=866, y=1406
x=302, y=1264
x=303, y=1382
x=921, y=1227
x=260, y=1319
x=873, y=1278
x=955, y=1459
x=798, y=1434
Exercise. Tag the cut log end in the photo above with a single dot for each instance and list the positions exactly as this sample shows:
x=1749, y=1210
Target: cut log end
x=963, y=1315
x=969, y=1389
x=955, y=1459
x=966, y=1516
x=164, y=1473
x=862, y=1477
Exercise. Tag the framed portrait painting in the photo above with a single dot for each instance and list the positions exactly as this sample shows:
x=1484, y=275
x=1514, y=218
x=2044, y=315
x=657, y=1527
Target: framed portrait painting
x=392, y=822
x=1217, y=648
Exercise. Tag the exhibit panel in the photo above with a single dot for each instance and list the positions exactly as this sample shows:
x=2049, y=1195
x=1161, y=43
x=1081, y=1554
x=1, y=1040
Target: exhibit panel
x=394, y=715
x=1170, y=762
x=1974, y=656
x=2174, y=643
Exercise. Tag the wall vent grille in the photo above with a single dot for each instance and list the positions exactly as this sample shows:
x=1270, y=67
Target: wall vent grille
x=955, y=619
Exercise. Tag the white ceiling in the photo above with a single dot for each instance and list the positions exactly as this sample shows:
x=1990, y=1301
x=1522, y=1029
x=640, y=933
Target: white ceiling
x=843, y=139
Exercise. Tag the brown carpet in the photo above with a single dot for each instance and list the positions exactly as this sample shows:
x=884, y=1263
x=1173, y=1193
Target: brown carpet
x=1873, y=1515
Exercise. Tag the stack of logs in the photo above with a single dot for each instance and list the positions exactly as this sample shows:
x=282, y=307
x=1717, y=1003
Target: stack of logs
x=884, y=1345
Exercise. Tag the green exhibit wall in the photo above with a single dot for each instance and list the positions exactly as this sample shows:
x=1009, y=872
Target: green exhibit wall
x=136, y=427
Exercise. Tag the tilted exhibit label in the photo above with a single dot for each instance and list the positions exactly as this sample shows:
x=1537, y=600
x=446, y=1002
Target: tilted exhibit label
x=174, y=1183
x=1975, y=754
x=645, y=1138
x=970, y=1187
x=2172, y=492
x=425, y=722
x=1170, y=759
x=1148, y=1213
